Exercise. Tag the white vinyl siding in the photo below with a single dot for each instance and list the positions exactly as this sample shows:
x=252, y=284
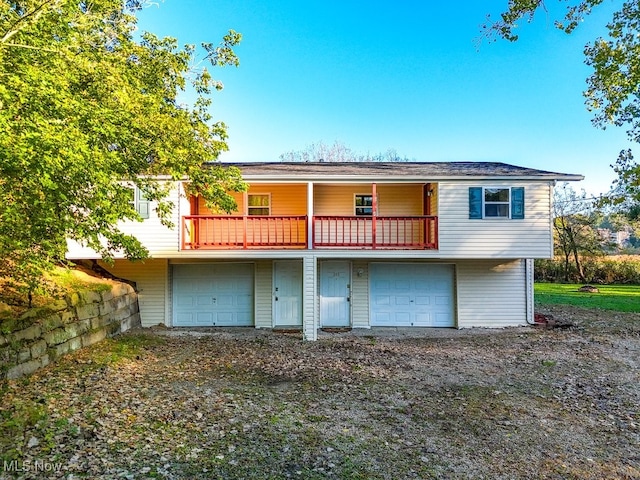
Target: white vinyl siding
x=310, y=305
x=264, y=295
x=360, y=294
x=491, y=293
x=151, y=277
x=157, y=238
x=461, y=237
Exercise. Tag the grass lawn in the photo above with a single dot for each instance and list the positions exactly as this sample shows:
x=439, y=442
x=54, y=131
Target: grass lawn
x=621, y=298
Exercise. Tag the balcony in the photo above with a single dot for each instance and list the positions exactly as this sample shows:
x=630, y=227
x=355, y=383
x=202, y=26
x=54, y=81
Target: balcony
x=415, y=232
x=216, y=232
x=242, y=232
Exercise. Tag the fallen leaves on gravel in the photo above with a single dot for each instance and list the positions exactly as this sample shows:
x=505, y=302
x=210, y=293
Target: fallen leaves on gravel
x=514, y=403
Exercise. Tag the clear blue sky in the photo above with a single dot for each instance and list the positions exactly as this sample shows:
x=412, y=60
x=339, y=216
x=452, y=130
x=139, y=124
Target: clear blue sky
x=407, y=75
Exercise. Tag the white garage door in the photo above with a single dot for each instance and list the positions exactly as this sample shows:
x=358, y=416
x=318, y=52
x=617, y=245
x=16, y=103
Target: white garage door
x=411, y=295
x=211, y=295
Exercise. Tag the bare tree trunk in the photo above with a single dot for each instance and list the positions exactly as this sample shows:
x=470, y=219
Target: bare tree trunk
x=579, y=267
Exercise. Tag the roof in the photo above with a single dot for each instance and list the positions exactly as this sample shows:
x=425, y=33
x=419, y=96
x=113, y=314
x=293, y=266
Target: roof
x=399, y=171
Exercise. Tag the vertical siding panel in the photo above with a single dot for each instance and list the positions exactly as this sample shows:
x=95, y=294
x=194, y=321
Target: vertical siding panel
x=151, y=277
x=491, y=293
x=263, y=294
x=309, y=298
x=360, y=295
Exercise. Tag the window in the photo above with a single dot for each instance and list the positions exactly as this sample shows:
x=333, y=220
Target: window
x=139, y=202
x=496, y=202
x=259, y=204
x=363, y=204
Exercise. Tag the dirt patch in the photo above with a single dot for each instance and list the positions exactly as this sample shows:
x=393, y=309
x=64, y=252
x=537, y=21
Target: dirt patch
x=387, y=404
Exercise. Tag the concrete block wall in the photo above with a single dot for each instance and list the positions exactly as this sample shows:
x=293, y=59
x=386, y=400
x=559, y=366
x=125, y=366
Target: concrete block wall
x=40, y=336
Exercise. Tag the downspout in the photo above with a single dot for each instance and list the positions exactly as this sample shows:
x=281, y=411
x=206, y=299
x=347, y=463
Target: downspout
x=529, y=300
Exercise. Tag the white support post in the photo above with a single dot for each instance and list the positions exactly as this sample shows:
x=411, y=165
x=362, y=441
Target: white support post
x=310, y=215
x=309, y=298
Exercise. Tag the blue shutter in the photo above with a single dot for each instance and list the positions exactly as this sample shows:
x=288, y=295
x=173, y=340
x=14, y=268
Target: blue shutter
x=517, y=203
x=475, y=202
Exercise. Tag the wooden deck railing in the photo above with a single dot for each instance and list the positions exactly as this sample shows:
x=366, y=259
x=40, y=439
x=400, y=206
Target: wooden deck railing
x=416, y=232
x=250, y=231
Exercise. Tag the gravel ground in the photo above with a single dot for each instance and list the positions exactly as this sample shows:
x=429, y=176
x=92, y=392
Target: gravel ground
x=387, y=404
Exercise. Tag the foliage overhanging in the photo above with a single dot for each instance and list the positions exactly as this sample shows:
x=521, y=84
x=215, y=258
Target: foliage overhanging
x=613, y=88
x=88, y=109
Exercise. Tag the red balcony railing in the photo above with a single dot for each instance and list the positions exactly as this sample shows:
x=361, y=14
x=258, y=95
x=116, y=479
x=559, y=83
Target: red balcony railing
x=251, y=231
x=376, y=232
x=234, y=232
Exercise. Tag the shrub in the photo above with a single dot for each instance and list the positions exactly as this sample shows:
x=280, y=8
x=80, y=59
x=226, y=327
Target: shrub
x=600, y=270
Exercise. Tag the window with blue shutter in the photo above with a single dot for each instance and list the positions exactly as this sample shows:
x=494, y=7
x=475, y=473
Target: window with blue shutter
x=496, y=202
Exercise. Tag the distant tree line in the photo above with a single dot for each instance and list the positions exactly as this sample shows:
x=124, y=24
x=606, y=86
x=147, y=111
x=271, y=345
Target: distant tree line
x=580, y=225
x=339, y=152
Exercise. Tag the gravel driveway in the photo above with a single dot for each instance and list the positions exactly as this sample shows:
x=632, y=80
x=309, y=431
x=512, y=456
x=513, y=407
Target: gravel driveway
x=392, y=404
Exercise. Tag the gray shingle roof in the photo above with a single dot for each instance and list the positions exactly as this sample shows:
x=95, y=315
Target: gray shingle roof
x=397, y=170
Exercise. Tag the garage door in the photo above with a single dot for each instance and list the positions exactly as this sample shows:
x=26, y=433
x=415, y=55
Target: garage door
x=213, y=295
x=411, y=295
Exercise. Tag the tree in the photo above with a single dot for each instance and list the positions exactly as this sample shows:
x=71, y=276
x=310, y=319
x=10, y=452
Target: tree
x=575, y=233
x=338, y=152
x=86, y=113
x=613, y=89
x=625, y=192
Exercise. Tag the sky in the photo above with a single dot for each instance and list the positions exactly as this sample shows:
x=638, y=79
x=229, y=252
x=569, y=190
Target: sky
x=405, y=75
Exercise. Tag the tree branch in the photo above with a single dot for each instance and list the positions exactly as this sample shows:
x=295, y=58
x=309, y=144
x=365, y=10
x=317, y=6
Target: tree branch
x=34, y=15
x=30, y=47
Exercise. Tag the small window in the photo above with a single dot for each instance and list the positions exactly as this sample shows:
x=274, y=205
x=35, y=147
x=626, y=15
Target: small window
x=259, y=204
x=363, y=204
x=497, y=202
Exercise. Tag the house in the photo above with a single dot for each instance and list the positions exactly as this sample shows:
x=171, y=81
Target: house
x=616, y=239
x=355, y=245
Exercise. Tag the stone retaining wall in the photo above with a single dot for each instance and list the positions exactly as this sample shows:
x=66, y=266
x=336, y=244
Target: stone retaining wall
x=42, y=335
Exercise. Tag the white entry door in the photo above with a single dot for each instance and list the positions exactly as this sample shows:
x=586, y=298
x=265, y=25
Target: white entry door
x=287, y=293
x=411, y=295
x=335, y=292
